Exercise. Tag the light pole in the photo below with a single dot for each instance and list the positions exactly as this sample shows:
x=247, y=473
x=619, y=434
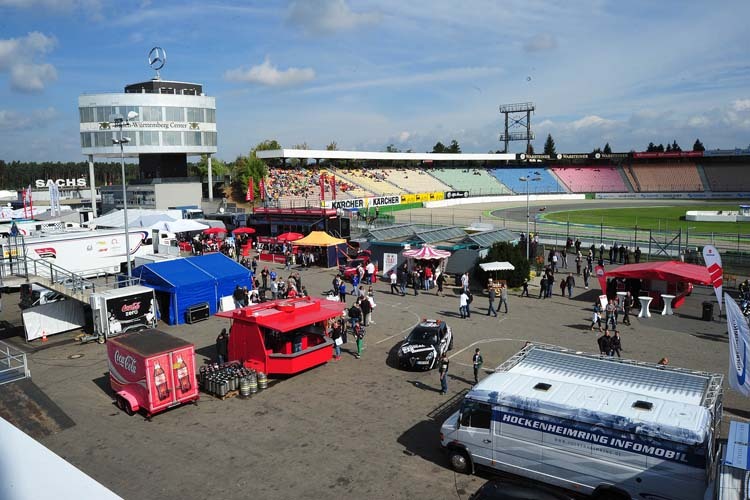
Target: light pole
x=527, y=179
x=120, y=122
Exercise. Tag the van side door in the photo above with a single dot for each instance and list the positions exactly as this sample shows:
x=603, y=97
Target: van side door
x=474, y=431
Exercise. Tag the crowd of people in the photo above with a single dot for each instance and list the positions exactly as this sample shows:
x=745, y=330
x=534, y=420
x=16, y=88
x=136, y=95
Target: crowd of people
x=300, y=182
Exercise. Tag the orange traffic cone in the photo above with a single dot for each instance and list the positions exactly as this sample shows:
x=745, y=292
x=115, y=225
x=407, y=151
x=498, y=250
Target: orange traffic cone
x=44, y=336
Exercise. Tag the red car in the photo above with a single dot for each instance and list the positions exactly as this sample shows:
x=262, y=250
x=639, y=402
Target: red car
x=348, y=268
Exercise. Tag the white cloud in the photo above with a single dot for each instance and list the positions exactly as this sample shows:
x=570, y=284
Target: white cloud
x=267, y=74
x=540, y=43
x=593, y=121
x=741, y=105
x=328, y=16
x=91, y=7
x=19, y=57
x=12, y=120
x=403, y=136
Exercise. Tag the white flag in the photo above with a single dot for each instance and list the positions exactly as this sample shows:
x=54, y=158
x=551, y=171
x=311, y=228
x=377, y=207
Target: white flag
x=739, y=338
x=713, y=263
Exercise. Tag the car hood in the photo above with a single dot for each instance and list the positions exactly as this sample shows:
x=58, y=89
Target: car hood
x=415, y=348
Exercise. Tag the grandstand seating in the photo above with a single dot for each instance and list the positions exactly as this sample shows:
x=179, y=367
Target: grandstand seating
x=477, y=181
x=591, y=179
x=727, y=176
x=416, y=180
x=509, y=177
x=372, y=181
x=667, y=177
x=294, y=186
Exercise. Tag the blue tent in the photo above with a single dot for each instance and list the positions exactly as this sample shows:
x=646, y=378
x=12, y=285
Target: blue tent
x=183, y=283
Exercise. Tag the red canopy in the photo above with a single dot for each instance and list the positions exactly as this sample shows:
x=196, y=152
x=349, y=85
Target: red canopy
x=244, y=230
x=286, y=237
x=214, y=230
x=667, y=271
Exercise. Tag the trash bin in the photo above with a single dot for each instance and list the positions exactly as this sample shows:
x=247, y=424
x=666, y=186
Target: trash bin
x=708, y=311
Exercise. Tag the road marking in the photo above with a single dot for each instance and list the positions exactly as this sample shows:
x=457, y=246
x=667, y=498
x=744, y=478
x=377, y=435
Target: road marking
x=402, y=331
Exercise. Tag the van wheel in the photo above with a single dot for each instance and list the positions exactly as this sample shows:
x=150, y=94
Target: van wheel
x=459, y=461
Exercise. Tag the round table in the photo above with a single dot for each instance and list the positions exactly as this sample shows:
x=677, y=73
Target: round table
x=645, y=302
x=667, y=311
x=621, y=300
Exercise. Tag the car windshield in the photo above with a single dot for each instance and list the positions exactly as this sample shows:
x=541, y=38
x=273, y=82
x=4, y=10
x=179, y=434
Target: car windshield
x=423, y=336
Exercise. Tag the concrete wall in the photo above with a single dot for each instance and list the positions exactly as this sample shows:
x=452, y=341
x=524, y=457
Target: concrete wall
x=177, y=194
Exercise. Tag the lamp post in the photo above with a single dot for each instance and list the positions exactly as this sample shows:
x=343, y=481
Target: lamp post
x=527, y=179
x=120, y=122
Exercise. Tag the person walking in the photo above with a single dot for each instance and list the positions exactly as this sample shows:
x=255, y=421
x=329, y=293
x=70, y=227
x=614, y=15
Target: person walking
x=543, y=287
x=605, y=344
x=627, y=304
x=336, y=332
x=570, y=282
x=440, y=282
x=503, y=298
x=579, y=258
x=550, y=283
x=491, y=294
x=597, y=317
x=562, y=287
x=402, y=279
x=443, y=366
x=609, y=312
x=477, y=361
x=359, y=334
x=342, y=292
x=586, y=276
x=222, y=344
x=427, y=277
x=465, y=281
x=615, y=344
x=525, y=291
x=366, y=307
x=415, y=280
x=355, y=315
x=394, y=283
x=463, y=302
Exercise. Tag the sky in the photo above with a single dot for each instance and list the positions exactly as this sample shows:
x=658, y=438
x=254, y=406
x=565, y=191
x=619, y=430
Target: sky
x=367, y=73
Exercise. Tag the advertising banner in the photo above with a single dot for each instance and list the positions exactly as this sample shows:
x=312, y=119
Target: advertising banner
x=739, y=338
x=322, y=181
x=250, y=195
x=713, y=263
x=390, y=260
x=451, y=195
x=262, y=189
x=131, y=312
x=601, y=275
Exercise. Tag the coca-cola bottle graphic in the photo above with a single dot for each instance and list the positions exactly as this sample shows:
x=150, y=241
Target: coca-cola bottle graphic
x=183, y=374
x=160, y=380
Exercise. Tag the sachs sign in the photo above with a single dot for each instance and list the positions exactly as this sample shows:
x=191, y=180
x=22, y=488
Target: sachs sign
x=79, y=182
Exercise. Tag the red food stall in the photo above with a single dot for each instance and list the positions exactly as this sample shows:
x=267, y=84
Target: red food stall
x=282, y=337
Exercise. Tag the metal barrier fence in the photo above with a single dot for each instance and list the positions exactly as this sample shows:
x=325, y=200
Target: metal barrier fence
x=13, y=364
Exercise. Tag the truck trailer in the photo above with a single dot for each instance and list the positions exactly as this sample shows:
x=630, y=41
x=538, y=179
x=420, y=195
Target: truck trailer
x=121, y=310
x=599, y=426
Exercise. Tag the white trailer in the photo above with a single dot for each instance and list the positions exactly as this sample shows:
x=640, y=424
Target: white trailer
x=86, y=253
x=599, y=426
x=122, y=310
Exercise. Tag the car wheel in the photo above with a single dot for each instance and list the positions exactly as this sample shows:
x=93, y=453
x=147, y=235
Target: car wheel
x=459, y=461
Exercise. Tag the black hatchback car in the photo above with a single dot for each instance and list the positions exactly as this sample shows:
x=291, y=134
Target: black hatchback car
x=425, y=344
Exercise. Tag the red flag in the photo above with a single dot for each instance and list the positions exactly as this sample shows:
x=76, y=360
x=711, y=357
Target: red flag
x=601, y=275
x=333, y=186
x=262, y=188
x=250, y=196
x=322, y=180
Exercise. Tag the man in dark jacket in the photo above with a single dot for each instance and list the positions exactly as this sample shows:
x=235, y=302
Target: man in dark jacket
x=222, y=343
x=365, y=307
x=355, y=314
x=615, y=344
x=605, y=344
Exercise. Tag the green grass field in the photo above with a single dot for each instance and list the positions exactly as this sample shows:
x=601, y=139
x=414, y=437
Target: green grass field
x=664, y=218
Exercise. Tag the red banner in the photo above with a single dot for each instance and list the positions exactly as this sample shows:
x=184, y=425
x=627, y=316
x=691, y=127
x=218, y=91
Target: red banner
x=322, y=180
x=601, y=275
x=262, y=188
x=333, y=186
x=250, y=196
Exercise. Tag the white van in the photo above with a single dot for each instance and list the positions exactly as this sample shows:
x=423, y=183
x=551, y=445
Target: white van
x=600, y=426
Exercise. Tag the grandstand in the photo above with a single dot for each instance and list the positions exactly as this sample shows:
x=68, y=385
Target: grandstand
x=591, y=179
x=417, y=180
x=510, y=178
x=724, y=177
x=477, y=181
x=372, y=181
x=666, y=178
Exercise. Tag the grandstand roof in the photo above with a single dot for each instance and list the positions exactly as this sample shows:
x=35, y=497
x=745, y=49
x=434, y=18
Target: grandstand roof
x=318, y=154
x=488, y=238
x=433, y=235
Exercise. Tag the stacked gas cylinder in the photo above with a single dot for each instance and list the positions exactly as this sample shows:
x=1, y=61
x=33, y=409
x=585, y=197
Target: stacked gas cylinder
x=230, y=379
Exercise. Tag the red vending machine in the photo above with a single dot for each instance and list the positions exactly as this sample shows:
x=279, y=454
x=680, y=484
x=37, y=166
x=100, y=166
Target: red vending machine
x=151, y=370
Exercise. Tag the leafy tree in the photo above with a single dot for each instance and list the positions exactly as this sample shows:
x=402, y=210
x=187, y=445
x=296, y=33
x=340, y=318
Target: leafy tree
x=439, y=147
x=332, y=146
x=454, y=147
x=596, y=150
x=391, y=149
x=669, y=148
x=660, y=148
x=245, y=167
x=549, y=145
x=507, y=252
x=607, y=149
x=651, y=148
x=218, y=168
x=530, y=149
x=675, y=146
x=698, y=146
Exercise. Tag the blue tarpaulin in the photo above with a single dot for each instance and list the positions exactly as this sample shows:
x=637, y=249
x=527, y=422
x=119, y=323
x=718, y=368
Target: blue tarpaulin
x=192, y=281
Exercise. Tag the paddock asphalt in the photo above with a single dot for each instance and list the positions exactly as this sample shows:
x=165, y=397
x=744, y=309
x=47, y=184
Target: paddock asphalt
x=352, y=428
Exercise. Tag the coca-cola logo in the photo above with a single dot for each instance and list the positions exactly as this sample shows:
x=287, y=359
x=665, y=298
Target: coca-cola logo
x=127, y=362
x=131, y=307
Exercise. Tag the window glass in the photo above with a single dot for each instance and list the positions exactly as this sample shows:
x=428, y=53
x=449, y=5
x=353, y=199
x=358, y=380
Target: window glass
x=210, y=115
x=151, y=114
x=195, y=114
x=192, y=138
x=103, y=139
x=174, y=114
x=104, y=113
x=149, y=138
x=172, y=138
x=85, y=140
x=125, y=110
x=209, y=138
x=476, y=415
x=87, y=115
